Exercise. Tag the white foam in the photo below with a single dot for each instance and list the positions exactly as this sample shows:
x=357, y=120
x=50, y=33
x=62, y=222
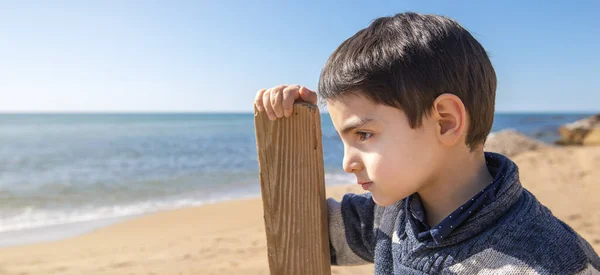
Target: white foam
x=31, y=217
x=36, y=218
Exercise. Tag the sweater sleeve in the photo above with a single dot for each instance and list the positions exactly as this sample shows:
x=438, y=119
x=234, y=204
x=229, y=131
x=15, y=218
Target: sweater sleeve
x=352, y=235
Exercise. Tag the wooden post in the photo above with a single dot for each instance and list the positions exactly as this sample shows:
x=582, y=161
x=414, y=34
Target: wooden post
x=292, y=181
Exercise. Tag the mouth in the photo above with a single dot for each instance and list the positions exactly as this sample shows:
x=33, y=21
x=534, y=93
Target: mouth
x=365, y=185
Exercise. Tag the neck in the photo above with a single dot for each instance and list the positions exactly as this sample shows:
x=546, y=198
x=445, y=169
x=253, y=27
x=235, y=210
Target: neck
x=456, y=183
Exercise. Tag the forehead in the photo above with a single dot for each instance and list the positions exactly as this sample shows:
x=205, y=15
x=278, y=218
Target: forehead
x=350, y=109
x=351, y=105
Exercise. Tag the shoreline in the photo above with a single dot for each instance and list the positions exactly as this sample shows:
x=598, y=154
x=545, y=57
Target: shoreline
x=61, y=231
x=58, y=232
x=65, y=231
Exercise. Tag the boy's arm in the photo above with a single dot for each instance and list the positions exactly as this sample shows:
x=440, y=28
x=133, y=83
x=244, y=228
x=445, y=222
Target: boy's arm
x=351, y=229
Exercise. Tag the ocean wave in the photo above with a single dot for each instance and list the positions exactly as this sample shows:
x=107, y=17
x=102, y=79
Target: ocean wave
x=30, y=217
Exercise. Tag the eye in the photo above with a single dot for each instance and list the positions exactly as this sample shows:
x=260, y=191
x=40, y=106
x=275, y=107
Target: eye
x=362, y=136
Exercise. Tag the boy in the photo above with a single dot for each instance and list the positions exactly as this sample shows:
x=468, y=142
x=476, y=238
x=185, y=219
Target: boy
x=412, y=98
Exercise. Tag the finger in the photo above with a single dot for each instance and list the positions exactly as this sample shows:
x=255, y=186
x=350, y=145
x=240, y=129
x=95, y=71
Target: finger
x=307, y=95
x=276, y=97
x=258, y=99
x=290, y=94
x=267, y=104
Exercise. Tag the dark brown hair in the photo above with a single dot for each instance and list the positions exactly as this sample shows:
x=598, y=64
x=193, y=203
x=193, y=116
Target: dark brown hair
x=406, y=61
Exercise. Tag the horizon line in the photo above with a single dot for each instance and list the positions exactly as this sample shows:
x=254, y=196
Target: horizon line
x=250, y=112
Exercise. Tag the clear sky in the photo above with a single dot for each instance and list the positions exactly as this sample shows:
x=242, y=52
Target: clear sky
x=203, y=56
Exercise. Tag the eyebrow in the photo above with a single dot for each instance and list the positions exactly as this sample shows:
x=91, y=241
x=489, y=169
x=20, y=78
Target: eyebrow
x=355, y=123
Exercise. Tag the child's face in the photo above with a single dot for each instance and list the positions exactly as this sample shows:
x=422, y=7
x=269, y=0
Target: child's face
x=384, y=150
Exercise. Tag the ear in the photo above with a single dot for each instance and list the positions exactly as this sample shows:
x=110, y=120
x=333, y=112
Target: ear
x=450, y=116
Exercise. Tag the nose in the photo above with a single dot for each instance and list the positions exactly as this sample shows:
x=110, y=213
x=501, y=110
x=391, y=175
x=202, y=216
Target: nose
x=351, y=162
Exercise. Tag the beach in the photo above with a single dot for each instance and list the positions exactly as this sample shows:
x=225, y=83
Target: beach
x=229, y=237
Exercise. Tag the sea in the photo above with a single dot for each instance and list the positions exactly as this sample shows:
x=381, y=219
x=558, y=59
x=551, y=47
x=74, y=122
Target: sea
x=69, y=169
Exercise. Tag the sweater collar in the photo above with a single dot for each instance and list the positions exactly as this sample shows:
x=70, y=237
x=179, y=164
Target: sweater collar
x=474, y=216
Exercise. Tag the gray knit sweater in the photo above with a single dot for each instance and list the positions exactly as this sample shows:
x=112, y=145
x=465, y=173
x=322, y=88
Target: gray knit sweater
x=503, y=230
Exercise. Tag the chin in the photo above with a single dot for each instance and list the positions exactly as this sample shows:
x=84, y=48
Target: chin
x=385, y=201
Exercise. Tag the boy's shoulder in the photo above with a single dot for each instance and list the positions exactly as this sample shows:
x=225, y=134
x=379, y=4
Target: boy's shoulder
x=530, y=236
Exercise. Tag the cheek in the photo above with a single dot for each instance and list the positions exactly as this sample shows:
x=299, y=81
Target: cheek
x=398, y=166
x=401, y=159
x=389, y=165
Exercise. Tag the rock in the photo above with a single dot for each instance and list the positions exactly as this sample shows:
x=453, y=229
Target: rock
x=582, y=132
x=511, y=143
x=592, y=137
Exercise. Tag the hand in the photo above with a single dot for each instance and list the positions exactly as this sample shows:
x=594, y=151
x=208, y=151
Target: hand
x=279, y=100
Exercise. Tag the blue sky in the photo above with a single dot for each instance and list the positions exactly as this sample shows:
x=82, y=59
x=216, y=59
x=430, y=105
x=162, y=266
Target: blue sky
x=116, y=56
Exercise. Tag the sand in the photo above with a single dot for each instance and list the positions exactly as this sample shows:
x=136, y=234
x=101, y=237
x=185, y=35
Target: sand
x=229, y=237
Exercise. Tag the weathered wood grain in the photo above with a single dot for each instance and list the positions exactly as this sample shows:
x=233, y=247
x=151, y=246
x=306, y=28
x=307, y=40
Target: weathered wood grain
x=292, y=181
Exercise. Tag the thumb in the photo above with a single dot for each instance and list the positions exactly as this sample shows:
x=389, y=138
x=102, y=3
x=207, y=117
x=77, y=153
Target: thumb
x=307, y=95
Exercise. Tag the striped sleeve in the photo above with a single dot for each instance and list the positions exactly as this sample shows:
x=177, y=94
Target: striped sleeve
x=351, y=231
